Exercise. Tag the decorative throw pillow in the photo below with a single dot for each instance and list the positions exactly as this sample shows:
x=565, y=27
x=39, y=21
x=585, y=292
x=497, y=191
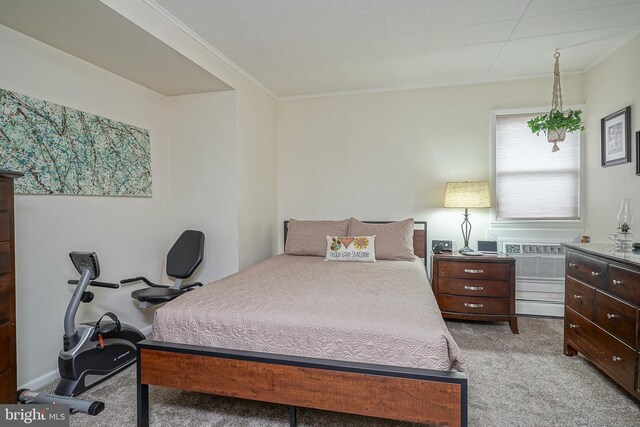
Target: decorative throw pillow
x=394, y=240
x=308, y=237
x=356, y=248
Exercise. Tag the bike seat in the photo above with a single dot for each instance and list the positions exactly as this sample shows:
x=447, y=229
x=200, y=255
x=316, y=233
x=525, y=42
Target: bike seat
x=156, y=295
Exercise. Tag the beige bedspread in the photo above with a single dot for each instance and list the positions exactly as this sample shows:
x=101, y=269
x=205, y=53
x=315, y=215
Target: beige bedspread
x=382, y=312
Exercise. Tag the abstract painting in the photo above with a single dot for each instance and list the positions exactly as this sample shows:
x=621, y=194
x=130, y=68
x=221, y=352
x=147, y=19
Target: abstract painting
x=61, y=150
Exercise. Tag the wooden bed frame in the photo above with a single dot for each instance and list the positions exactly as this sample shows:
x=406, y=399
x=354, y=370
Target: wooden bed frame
x=399, y=393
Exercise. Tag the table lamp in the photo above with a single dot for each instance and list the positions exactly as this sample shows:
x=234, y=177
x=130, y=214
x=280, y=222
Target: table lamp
x=467, y=194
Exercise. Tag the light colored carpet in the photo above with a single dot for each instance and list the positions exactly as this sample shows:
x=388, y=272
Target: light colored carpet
x=514, y=380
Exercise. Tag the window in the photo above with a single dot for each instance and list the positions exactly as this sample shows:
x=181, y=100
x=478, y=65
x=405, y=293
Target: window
x=532, y=183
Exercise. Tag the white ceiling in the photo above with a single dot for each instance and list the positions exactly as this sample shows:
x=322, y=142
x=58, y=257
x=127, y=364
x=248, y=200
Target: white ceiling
x=303, y=47
x=95, y=33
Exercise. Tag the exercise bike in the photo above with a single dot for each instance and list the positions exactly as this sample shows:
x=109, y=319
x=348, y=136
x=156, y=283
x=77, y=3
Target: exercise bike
x=92, y=351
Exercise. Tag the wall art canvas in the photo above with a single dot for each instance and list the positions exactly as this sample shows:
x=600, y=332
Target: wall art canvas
x=61, y=150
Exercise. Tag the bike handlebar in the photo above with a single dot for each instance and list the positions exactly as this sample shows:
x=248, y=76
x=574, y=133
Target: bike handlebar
x=98, y=284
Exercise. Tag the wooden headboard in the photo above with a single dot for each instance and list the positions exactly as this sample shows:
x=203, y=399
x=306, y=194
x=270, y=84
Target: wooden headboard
x=419, y=237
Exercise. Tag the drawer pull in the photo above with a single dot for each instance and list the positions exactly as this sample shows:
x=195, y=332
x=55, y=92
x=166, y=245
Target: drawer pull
x=573, y=265
x=611, y=316
x=474, y=288
x=573, y=325
x=617, y=282
x=577, y=296
x=467, y=304
x=616, y=358
x=595, y=274
x=469, y=270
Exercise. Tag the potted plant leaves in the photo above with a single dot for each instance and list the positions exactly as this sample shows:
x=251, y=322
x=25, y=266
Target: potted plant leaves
x=556, y=124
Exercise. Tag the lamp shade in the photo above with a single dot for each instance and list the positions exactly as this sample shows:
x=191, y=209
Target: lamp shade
x=468, y=194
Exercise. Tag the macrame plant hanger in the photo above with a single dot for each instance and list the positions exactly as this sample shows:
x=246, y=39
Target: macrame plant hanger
x=557, y=135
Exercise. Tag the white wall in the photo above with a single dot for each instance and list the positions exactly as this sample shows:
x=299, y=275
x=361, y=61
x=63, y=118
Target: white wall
x=127, y=233
x=255, y=129
x=387, y=156
x=611, y=86
x=203, y=177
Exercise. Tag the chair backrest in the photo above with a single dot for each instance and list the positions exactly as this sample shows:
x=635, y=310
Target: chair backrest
x=186, y=254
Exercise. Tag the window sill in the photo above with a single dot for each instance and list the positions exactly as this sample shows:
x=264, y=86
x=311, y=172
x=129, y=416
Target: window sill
x=540, y=224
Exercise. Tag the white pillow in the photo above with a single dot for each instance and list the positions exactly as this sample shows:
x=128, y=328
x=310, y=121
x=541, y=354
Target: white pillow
x=356, y=248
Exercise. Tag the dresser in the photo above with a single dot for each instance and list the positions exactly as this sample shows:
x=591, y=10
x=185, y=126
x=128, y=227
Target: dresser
x=8, y=386
x=476, y=287
x=602, y=301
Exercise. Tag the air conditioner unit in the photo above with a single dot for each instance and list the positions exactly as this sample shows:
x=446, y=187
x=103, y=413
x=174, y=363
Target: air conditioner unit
x=539, y=276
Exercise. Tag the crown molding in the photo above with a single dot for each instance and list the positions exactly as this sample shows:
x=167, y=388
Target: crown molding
x=418, y=87
x=166, y=14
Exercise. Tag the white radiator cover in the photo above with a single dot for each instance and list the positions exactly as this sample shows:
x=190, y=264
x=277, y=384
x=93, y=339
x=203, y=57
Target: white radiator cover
x=540, y=268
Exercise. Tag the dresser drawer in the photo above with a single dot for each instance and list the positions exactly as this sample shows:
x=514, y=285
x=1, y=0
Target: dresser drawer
x=474, y=305
x=474, y=270
x=5, y=293
x=587, y=269
x=5, y=258
x=5, y=346
x=580, y=297
x=616, y=317
x=616, y=357
x=5, y=232
x=478, y=288
x=625, y=284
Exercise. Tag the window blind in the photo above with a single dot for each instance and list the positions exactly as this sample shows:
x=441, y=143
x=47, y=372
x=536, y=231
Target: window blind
x=532, y=183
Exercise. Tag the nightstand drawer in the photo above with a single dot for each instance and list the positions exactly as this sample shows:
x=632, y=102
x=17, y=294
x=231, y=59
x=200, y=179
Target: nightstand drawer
x=616, y=317
x=580, y=297
x=478, y=288
x=474, y=270
x=587, y=269
x=474, y=305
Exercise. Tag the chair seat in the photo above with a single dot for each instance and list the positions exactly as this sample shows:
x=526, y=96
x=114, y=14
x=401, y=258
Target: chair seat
x=156, y=295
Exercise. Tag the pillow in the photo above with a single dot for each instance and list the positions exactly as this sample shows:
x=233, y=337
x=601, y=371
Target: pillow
x=309, y=237
x=394, y=240
x=356, y=248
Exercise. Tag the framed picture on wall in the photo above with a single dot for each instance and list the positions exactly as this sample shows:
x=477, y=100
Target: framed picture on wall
x=616, y=138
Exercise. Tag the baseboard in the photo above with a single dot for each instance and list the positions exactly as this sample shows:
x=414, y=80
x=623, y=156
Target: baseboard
x=540, y=308
x=52, y=376
x=41, y=381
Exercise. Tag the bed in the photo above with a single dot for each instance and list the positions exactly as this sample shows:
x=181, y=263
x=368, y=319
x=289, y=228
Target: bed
x=297, y=330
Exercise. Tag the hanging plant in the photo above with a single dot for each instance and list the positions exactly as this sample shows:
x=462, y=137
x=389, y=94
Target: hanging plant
x=556, y=123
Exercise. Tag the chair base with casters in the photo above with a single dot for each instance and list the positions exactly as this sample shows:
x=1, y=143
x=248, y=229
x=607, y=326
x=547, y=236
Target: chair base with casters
x=183, y=258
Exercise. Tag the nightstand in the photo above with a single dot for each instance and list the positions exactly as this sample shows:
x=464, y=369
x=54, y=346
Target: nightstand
x=476, y=287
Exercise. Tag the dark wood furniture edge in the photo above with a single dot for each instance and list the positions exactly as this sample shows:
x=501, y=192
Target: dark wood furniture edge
x=608, y=257
x=318, y=370
x=419, y=237
x=9, y=376
x=576, y=344
x=10, y=174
